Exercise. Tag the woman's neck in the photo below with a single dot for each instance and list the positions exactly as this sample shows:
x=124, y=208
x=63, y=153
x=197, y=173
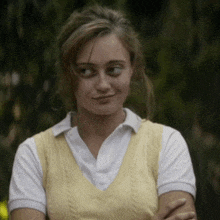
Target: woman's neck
x=98, y=125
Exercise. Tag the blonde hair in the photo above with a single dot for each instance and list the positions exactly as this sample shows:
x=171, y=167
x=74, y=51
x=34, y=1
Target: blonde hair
x=81, y=27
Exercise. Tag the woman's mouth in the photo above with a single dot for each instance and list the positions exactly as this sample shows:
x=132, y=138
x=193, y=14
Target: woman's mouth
x=103, y=97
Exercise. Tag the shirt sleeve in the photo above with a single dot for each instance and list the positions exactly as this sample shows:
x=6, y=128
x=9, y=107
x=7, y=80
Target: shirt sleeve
x=26, y=186
x=175, y=166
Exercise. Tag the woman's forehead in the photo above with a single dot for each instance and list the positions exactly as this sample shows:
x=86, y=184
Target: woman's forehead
x=103, y=49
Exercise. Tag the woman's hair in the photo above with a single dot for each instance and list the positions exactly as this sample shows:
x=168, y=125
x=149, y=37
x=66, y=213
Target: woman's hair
x=81, y=27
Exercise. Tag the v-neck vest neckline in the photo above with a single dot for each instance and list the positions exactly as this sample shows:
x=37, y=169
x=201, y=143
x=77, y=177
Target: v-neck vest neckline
x=132, y=194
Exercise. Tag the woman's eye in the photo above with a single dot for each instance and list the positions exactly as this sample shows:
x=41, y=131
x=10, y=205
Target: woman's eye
x=85, y=72
x=114, y=71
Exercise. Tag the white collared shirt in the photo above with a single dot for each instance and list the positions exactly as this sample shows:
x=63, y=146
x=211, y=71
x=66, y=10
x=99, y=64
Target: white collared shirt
x=175, y=167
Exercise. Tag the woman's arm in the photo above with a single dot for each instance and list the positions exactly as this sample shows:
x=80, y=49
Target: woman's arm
x=176, y=179
x=26, y=188
x=176, y=205
x=27, y=214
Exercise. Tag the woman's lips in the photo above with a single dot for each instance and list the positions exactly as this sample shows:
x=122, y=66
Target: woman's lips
x=103, y=97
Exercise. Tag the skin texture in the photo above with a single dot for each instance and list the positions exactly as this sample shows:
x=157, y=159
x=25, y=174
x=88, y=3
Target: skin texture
x=173, y=207
x=27, y=214
x=105, y=72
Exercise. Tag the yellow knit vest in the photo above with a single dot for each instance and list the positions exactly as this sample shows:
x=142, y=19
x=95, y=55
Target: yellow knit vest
x=132, y=195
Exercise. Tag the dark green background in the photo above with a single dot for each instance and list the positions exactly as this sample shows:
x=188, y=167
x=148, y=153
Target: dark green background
x=181, y=42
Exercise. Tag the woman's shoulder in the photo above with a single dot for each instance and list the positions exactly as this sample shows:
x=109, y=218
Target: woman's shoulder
x=171, y=137
x=27, y=147
x=151, y=127
x=166, y=128
x=167, y=131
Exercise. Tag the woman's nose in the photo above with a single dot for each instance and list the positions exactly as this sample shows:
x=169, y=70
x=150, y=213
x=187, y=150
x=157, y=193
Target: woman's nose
x=103, y=83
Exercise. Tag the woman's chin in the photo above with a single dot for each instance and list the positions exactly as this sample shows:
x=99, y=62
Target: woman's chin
x=105, y=110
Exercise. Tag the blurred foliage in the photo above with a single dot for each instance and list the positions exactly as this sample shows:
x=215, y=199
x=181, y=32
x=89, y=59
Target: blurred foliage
x=181, y=42
x=3, y=210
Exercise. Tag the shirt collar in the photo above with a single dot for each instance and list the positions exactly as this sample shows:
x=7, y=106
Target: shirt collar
x=132, y=120
x=64, y=125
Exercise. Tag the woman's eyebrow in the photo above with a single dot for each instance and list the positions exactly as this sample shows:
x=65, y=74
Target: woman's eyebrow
x=116, y=61
x=87, y=64
x=94, y=64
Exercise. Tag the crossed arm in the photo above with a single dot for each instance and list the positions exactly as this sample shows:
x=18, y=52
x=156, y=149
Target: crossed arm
x=175, y=205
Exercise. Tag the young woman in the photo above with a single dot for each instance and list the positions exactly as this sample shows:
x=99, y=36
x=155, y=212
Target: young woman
x=102, y=161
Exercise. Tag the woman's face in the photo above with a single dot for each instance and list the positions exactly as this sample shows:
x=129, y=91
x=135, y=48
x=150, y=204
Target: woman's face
x=105, y=72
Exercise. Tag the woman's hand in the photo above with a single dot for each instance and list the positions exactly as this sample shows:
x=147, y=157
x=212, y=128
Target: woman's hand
x=164, y=214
